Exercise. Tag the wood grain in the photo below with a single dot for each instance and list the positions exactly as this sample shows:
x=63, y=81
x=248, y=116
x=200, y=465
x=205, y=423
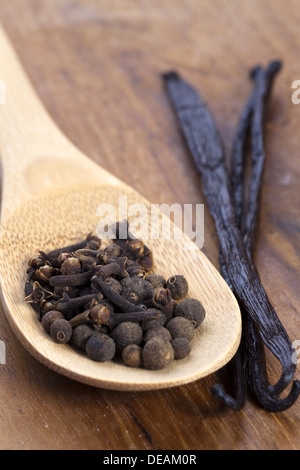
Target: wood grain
x=96, y=66
x=60, y=190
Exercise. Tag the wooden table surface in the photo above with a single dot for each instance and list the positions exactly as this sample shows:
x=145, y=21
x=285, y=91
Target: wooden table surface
x=96, y=66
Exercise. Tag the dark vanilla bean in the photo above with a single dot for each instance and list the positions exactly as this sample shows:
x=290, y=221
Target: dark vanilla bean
x=205, y=146
x=251, y=121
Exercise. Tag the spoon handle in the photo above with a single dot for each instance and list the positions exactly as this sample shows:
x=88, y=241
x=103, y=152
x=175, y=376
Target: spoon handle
x=35, y=154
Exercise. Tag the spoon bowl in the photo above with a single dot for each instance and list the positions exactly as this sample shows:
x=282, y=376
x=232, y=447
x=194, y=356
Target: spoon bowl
x=51, y=192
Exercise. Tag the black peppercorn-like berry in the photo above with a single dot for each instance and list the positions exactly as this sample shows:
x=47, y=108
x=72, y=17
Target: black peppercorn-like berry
x=80, y=336
x=132, y=355
x=149, y=324
x=157, y=354
x=192, y=309
x=178, y=286
x=49, y=318
x=158, y=332
x=182, y=347
x=47, y=307
x=181, y=327
x=61, y=331
x=127, y=333
x=156, y=280
x=100, y=347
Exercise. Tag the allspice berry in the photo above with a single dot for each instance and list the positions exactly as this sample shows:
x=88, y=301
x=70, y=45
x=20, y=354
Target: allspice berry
x=80, y=336
x=149, y=324
x=178, y=286
x=156, y=280
x=182, y=347
x=181, y=327
x=49, y=318
x=157, y=354
x=132, y=355
x=192, y=309
x=100, y=347
x=61, y=331
x=127, y=333
x=158, y=332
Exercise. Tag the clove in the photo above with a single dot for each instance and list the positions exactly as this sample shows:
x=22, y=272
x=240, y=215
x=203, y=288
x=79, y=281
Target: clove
x=70, y=280
x=100, y=315
x=68, y=304
x=114, y=297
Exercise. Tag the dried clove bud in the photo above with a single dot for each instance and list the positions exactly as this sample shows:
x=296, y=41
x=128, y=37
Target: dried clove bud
x=116, y=268
x=136, y=289
x=36, y=262
x=114, y=284
x=113, y=250
x=38, y=294
x=135, y=249
x=71, y=266
x=68, y=304
x=97, y=315
x=147, y=261
x=178, y=286
x=93, y=242
x=63, y=256
x=135, y=271
x=114, y=297
x=53, y=255
x=72, y=280
x=44, y=273
x=163, y=300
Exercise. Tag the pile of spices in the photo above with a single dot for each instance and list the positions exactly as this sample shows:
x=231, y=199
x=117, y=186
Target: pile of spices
x=108, y=303
x=236, y=221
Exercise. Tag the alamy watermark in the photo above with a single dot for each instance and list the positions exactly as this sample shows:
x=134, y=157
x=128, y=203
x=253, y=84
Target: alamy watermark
x=2, y=352
x=296, y=94
x=157, y=221
x=296, y=354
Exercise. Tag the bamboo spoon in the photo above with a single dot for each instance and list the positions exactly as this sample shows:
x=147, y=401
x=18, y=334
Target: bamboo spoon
x=50, y=196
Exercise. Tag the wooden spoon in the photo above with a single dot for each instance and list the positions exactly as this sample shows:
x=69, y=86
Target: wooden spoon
x=50, y=196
